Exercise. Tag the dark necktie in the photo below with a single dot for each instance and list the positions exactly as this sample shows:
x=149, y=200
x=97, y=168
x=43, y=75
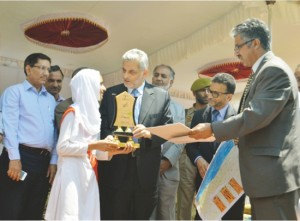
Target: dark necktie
x=215, y=114
x=245, y=93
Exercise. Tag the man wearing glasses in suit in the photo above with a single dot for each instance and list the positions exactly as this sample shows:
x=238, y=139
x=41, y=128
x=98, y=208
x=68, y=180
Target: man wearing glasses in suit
x=219, y=94
x=267, y=125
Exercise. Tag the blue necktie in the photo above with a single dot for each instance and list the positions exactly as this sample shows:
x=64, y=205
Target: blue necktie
x=135, y=93
x=215, y=114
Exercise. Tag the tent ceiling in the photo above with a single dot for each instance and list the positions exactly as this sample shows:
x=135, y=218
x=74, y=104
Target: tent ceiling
x=153, y=26
x=149, y=26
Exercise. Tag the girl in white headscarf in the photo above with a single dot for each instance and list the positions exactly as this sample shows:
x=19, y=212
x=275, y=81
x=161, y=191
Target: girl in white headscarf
x=74, y=194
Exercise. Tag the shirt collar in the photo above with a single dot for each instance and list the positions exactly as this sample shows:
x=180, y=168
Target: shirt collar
x=256, y=64
x=29, y=86
x=140, y=89
x=60, y=99
x=221, y=111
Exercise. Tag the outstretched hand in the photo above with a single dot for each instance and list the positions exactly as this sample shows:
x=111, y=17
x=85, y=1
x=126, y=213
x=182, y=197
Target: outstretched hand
x=104, y=145
x=140, y=131
x=201, y=131
x=126, y=150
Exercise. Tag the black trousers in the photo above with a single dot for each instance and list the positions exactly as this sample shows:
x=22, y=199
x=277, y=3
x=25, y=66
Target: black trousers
x=130, y=200
x=24, y=200
x=105, y=189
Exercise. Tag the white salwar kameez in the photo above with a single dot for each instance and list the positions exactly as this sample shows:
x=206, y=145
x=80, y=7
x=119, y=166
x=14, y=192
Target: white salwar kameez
x=75, y=194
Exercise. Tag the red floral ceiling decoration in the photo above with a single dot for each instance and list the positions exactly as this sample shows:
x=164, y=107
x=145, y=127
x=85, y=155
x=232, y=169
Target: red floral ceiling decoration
x=71, y=32
x=230, y=66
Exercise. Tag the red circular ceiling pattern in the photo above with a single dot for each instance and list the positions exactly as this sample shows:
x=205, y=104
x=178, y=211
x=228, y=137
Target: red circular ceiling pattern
x=235, y=68
x=70, y=33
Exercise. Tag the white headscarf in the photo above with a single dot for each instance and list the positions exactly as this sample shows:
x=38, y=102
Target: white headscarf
x=85, y=88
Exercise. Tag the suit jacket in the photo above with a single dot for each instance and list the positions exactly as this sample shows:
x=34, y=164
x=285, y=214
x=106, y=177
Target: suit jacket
x=155, y=110
x=170, y=150
x=60, y=110
x=268, y=131
x=204, y=149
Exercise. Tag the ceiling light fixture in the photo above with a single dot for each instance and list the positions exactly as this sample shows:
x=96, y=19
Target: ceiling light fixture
x=71, y=32
x=230, y=66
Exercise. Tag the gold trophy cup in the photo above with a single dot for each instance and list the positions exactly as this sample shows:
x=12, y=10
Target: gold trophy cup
x=124, y=119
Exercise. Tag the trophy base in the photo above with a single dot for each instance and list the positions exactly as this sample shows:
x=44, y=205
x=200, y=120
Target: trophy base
x=135, y=145
x=122, y=138
x=122, y=134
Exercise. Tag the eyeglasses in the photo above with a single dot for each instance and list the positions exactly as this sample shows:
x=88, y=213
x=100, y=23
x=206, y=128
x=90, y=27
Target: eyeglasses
x=238, y=47
x=42, y=68
x=214, y=94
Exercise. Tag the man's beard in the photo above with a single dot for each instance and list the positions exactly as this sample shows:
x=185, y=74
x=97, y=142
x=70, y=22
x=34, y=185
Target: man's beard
x=165, y=87
x=201, y=101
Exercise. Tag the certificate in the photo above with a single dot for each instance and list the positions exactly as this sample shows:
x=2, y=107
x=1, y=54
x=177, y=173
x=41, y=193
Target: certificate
x=176, y=133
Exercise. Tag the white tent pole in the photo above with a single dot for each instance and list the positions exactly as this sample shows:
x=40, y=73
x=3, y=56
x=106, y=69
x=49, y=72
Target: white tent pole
x=270, y=15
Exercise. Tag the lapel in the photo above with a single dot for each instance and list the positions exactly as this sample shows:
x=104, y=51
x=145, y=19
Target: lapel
x=147, y=101
x=207, y=115
x=230, y=112
x=269, y=56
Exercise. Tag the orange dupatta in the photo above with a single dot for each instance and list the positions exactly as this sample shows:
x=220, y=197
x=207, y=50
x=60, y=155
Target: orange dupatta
x=91, y=156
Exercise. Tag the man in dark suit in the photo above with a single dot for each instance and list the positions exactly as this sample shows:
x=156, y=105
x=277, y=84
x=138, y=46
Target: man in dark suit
x=297, y=75
x=128, y=183
x=268, y=127
x=201, y=154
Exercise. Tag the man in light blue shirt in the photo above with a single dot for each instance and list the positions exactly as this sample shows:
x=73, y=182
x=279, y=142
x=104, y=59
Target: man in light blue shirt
x=1, y=130
x=30, y=139
x=1, y=126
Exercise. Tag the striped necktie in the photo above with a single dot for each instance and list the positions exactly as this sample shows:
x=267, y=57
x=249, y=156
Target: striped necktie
x=245, y=93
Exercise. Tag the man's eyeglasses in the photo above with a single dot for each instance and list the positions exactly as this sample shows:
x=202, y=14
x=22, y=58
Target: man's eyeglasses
x=42, y=68
x=238, y=47
x=214, y=94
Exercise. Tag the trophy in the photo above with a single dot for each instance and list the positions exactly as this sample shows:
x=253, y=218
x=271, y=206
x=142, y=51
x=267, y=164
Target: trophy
x=124, y=119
